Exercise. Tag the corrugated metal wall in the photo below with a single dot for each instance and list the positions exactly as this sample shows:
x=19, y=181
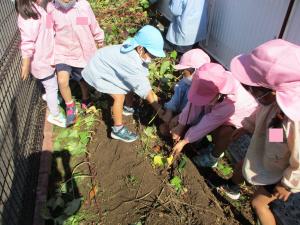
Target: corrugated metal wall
x=239, y=26
x=292, y=32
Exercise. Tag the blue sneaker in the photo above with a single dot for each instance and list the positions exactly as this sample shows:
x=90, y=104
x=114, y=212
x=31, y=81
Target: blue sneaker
x=127, y=111
x=71, y=113
x=123, y=134
x=233, y=191
x=207, y=159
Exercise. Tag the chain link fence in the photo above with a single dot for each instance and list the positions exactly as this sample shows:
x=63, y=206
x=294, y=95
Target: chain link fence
x=21, y=126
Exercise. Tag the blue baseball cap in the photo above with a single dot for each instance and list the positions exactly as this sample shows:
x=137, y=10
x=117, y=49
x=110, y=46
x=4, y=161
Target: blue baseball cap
x=148, y=37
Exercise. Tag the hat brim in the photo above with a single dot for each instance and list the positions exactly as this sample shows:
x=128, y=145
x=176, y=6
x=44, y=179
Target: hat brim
x=156, y=53
x=241, y=69
x=181, y=67
x=288, y=102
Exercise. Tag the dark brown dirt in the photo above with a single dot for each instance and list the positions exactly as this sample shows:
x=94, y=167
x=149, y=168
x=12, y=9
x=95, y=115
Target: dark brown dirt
x=131, y=190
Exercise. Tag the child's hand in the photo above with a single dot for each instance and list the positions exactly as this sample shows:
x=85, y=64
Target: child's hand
x=160, y=113
x=174, y=122
x=280, y=192
x=25, y=68
x=167, y=116
x=178, y=147
x=177, y=132
x=238, y=133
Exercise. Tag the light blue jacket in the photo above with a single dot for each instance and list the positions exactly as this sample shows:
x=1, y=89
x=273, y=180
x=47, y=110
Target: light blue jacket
x=189, y=24
x=113, y=72
x=179, y=98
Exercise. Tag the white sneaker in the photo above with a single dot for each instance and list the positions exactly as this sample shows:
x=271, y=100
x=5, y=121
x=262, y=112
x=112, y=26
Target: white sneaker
x=59, y=120
x=59, y=99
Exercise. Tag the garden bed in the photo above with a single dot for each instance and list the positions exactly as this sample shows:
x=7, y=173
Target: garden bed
x=97, y=180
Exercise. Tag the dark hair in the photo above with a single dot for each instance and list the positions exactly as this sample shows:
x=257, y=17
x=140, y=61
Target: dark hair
x=27, y=9
x=221, y=98
x=277, y=121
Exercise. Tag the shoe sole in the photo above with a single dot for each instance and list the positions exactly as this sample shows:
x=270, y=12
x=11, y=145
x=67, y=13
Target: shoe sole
x=118, y=138
x=233, y=197
x=56, y=123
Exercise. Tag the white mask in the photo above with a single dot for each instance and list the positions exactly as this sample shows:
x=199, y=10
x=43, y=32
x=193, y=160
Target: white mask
x=146, y=61
x=65, y=6
x=188, y=80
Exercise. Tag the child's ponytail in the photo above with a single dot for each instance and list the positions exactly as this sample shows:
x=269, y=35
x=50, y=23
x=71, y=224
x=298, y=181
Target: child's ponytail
x=27, y=9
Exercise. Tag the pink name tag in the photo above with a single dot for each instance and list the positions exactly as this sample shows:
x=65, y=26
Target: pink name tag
x=49, y=21
x=82, y=21
x=275, y=135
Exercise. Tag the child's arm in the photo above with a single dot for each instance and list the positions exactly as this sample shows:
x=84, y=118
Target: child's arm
x=167, y=116
x=153, y=101
x=176, y=7
x=29, y=30
x=291, y=176
x=180, y=90
x=210, y=121
x=97, y=32
x=188, y=114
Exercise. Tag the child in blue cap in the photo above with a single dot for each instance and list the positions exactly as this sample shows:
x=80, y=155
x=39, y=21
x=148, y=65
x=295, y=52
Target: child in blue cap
x=120, y=69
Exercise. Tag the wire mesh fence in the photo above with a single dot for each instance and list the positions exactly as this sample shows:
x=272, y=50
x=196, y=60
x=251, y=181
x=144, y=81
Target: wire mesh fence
x=21, y=121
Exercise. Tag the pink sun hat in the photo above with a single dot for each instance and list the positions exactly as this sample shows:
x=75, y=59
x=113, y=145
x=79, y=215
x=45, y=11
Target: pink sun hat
x=208, y=81
x=274, y=65
x=194, y=58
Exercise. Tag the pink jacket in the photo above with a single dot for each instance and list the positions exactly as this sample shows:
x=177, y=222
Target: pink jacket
x=231, y=111
x=75, y=34
x=37, y=42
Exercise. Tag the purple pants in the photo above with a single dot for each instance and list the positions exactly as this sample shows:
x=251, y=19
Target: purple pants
x=51, y=87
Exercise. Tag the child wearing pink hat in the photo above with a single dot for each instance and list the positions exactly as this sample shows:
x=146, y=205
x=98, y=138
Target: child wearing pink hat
x=189, y=62
x=218, y=104
x=272, y=162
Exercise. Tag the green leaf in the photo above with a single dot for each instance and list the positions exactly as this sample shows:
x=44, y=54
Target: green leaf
x=89, y=121
x=150, y=132
x=72, y=206
x=63, y=134
x=164, y=67
x=45, y=213
x=176, y=182
x=132, y=30
x=59, y=202
x=173, y=54
x=182, y=164
x=57, y=145
x=225, y=169
x=74, y=134
x=84, y=137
